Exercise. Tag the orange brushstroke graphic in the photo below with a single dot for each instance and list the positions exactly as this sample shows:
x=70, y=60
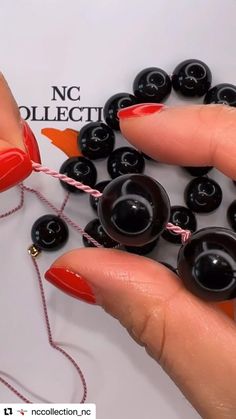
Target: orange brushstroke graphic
x=65, y=140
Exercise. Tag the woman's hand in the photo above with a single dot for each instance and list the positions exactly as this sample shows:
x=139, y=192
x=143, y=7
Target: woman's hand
x=17, y=143
x=193, y=341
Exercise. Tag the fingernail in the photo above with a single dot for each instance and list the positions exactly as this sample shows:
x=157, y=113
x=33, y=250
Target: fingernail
x=227, y=307
x=71, y=283
x=15, y=166
x=31, y=143
x=142, y=109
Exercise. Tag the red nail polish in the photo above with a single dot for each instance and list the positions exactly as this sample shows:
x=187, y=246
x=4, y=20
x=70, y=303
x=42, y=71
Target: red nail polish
x=31, y=143
x=227, y=307
x=15, y=166
x=142, y=109
x=71, y=283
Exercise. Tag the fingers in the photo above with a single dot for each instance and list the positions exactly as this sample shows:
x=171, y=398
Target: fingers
x=18, y=145
x=196, y=135
x=10, y=119
x=193, y=341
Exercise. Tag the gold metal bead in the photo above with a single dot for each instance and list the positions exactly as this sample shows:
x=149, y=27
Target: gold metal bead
x=34, y=251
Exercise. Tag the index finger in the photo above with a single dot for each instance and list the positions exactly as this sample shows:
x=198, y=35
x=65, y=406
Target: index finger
x=197, y=135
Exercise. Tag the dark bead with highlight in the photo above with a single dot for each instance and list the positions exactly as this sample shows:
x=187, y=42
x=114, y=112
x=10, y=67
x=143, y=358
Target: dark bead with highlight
x=203, y=195
x=182, y=217
x=134, y=209
x=95, y=230
x=125, y=160
x=206, y=264
x=49, y=233
x=114, y=104
x=80, y=169
x=192, y=78
x=224, y=94
x=152, y=85
x=96, y=140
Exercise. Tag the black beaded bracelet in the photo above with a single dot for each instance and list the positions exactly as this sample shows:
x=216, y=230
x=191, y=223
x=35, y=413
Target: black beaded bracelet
x=134, y=208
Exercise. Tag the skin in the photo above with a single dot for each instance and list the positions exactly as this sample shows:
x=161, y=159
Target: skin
x=193, y=341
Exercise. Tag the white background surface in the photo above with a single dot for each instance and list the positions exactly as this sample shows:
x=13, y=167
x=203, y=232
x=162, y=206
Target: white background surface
x=100, y=46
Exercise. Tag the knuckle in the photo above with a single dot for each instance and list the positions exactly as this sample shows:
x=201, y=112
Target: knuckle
x=223, y=130
x=150, y=327
x=151, y=324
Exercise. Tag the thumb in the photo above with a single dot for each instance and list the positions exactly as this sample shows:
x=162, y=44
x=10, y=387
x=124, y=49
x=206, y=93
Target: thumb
x=192, y=340
x=18, y=145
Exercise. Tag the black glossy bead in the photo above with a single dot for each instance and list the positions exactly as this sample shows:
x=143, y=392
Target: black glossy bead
x=192, y=78
x=134, y=209
x=79, y=169
x=207, y=264
x=142, y=250
x=231, y=215
x=96, y=140
x=99, y=187
x=182, y=217
x=198, y=171
x=203, y=195
x=167, y=265
x=152, y=85
x=49, y=232
x=95, y=230
x=125, y=160
x=114, y=104
x=224, y=94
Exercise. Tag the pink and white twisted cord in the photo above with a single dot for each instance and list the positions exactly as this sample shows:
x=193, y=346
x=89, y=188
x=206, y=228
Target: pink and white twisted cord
x=44, y=304
x=185, y=234
x=63, y=205
x=14, y=390
x=39, y=168
x=51, y=342
x=17, y=208
x=62, y=215
x=49, y=333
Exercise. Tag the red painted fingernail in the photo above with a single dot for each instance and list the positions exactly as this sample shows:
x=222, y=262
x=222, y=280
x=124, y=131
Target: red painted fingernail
x=142, y=109
x=71, y=283
x=31, y=143
x=15, y=166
